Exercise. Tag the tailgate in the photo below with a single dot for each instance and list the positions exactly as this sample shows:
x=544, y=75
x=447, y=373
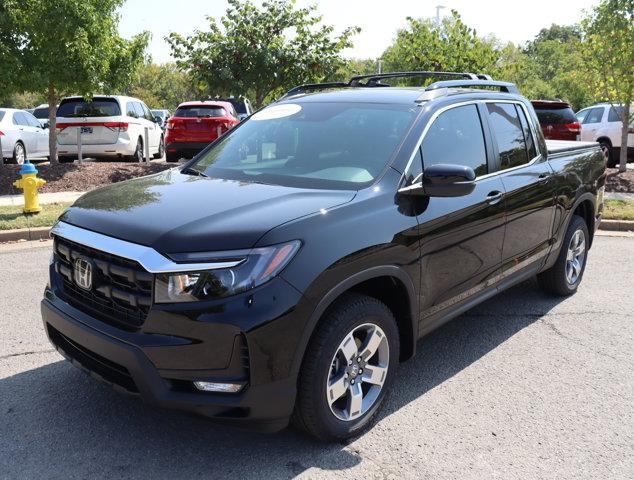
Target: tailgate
x=197, y=129
x=94, y=131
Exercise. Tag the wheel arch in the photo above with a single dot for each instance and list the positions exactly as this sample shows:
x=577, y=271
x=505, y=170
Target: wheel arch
x=585, y=207
x=388, y=283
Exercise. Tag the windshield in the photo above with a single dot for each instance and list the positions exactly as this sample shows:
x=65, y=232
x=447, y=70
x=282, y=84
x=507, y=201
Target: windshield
x=196, y=111
x=41, y=113
x=99, y=107
x=311, y=145
x=555, y=116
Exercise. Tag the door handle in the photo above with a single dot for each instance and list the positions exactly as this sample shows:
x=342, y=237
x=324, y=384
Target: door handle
x=544, y=176
x=493, y=197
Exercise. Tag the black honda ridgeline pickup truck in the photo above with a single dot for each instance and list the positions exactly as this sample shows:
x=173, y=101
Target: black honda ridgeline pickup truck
x=286, y=270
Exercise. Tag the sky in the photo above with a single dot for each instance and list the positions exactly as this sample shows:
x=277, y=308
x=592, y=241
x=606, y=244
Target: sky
x=508, y=20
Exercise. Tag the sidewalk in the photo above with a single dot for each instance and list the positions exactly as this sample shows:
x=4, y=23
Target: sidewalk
x=619, y=196
x=57, y=197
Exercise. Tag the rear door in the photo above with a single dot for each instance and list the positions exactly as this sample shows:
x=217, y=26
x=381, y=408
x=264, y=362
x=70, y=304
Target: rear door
x=528, y=182
x=463, y=237
x=98, y=121
x=591, y=124
x=26, y=133
x=154, y=130
x=40, y=134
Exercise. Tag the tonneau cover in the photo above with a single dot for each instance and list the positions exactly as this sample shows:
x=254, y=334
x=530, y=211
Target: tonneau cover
x=560, y=146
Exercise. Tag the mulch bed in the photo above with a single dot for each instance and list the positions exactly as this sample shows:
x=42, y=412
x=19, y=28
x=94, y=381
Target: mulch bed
x=619, y=182
x=79, y=178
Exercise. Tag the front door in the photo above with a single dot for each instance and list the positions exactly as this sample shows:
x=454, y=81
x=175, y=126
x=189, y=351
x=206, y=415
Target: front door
x=462, y=237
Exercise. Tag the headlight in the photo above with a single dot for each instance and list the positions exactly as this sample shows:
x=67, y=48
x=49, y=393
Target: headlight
x=257, y=267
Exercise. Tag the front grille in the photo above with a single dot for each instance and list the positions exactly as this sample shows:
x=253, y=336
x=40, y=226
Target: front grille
x=121, y=292
x=104, y=369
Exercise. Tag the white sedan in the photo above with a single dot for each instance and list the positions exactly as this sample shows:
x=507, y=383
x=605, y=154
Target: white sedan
x=21, y=136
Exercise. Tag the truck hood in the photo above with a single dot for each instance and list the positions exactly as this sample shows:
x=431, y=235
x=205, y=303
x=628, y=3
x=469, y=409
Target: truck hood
x=172, y=212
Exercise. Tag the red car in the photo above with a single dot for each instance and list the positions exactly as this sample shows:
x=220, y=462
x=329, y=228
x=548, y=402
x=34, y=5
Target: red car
x=195, y=125
x=557, y=120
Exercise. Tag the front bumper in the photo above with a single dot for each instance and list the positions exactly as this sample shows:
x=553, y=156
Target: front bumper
x=160, y=368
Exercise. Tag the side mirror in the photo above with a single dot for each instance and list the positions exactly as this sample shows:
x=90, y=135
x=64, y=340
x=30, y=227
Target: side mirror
x=443, y=181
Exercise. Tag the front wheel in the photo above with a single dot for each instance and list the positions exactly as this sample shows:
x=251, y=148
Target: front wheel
x=19, y=153
x=564, y=277
x=348, y=368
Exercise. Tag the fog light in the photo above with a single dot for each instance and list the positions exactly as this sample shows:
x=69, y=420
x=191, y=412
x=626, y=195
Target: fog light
x=218, y=387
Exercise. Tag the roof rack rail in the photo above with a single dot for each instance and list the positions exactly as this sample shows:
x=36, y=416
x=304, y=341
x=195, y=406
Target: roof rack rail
x=307, y=87
x=374, y=79
x=505, y=87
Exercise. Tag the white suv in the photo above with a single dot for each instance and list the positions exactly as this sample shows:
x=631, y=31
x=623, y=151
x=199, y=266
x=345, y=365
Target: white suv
x=110, y=127
x=602, y=123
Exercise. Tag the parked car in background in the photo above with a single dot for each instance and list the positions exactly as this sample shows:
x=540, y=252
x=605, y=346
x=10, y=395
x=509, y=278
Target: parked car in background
x=557, y=120
x=41, y=113
x=110, y=127
x=602, y=123
x=289, y=268
x=30, y=110
x=241, y=104
x=161, y=116
x=195, y=125
x=21, y=136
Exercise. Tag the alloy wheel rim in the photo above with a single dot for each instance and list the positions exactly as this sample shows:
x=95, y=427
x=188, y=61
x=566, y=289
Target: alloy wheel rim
x=357, y=372
x=19, y=154
x=575, y=257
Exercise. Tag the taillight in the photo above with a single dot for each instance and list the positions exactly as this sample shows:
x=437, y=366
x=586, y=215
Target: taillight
x=118, y=126
x=1, y=134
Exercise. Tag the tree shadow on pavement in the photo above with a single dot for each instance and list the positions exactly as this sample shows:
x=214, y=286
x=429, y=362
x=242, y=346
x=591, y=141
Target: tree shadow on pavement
x=57, y=422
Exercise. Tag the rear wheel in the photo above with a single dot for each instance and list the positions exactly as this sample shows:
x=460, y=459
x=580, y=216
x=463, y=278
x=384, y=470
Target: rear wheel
x=606, y=148
x=348, y=368
x=138, y=153
x=161, y=149
x=172, y=157
x=19, y=153
x=564, y=277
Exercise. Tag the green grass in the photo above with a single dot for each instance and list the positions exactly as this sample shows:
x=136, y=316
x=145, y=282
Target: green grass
x=12, y=217
x=618, y=210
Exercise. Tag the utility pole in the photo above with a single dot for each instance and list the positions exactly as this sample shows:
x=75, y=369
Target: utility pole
x=438, y=9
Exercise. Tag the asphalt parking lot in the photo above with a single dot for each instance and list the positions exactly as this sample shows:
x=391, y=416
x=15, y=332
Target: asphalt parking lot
x=523, y=386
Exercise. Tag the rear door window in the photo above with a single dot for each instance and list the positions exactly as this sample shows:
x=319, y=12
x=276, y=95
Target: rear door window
x=456, y=138
x=594, y=116
x=508, y=133
x=20, y=119
x=138, y=109
x=146, y=112
x=99, y=107
x=199, y=111
x=31, y=120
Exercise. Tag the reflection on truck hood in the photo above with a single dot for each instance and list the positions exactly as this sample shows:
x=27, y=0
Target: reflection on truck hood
x=173, y=212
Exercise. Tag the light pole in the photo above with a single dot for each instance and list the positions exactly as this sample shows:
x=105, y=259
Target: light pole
x=438, y=9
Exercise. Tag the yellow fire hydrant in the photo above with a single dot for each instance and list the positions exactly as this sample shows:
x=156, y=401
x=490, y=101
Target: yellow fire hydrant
x=30, y=183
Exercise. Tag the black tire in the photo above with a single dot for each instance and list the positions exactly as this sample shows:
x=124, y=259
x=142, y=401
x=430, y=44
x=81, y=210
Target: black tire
x=554, y=280
x=312, y=410
x=606, y=147
x=161, y=149
x=19, y=153
x=65, y=159
x=138, y=152
x=172, y=157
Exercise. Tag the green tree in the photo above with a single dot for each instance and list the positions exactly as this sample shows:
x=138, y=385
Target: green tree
x=450, y=46
x=609, y=56
x=261, y=51
x=67, y=46
x=163, y=86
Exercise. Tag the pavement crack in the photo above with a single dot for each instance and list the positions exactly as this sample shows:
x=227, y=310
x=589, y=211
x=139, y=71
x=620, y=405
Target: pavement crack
x=562, y=335
x=20, y=354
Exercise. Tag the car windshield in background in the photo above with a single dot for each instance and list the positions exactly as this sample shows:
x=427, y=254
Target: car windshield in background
x=239, y=106
x=196, y=112
x=99, y=107
x=41, y=113
x=158, y=113
x=311, y=145
x=555, y=116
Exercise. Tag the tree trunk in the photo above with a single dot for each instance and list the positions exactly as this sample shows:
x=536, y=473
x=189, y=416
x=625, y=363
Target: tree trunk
x=52, y=129
x=625, y=117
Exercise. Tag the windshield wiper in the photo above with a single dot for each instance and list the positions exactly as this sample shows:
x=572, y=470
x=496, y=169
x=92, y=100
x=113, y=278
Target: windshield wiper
x=192, y=171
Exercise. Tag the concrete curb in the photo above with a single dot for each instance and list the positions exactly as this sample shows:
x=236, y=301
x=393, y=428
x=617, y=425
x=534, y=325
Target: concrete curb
x=21, y=234
x=617, y=225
